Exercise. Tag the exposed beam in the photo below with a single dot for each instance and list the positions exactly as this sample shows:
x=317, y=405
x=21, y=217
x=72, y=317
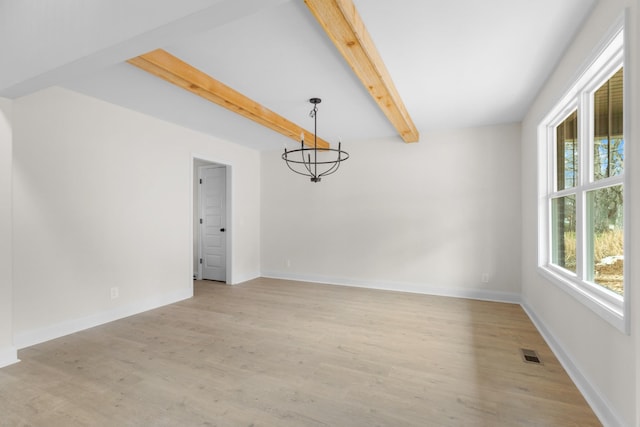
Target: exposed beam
x=345, y=28
x=166, y=66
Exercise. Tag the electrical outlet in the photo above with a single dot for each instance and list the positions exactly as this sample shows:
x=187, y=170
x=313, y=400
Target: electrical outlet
x=484, y=278
x=115, y=292
x=288, y=263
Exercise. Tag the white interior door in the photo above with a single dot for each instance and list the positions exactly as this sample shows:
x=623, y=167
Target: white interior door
x=213, y=209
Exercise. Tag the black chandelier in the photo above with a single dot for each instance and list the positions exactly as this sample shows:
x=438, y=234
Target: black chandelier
x=308, y=166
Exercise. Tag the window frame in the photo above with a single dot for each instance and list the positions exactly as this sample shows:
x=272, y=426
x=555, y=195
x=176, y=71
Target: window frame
x=609, y=56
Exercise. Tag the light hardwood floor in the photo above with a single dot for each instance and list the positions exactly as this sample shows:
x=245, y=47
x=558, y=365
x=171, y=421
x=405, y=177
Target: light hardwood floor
x=280, y=353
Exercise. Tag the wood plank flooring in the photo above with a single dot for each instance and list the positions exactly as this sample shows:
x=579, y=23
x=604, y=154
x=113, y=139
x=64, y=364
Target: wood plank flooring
x=281, y=353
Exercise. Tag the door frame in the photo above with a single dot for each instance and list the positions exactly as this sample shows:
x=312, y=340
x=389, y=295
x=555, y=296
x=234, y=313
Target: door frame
x=196, y=209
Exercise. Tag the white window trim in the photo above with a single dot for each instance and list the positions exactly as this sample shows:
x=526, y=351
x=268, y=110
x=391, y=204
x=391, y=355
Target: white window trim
x=608, y=56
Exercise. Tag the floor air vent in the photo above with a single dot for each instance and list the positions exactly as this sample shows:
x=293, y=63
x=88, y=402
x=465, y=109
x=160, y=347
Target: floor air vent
x=530, y=356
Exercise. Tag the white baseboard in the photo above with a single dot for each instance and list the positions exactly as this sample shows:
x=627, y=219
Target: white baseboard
x=600, y=405
x=36, y=336
x=8, y=356
x=240, y=278
x=416, y=288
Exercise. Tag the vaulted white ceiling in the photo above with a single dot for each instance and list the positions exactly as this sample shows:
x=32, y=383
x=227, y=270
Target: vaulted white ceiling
x=455, y=63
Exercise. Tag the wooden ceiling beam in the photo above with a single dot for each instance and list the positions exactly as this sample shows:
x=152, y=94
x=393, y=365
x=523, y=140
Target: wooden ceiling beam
x=166, y=66
x=345, y=28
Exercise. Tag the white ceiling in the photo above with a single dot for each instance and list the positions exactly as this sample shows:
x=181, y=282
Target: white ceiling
x=456, y=63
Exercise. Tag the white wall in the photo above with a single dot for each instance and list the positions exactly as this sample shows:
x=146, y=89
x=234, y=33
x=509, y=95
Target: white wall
x=634, y=33
x=7, y=351
x=102, y=198
x=602, y=360
x=428, y=217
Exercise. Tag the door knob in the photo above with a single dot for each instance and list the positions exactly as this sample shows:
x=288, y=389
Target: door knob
x=222, y=230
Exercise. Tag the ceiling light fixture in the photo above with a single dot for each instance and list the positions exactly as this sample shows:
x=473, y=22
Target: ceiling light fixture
x=308, y=166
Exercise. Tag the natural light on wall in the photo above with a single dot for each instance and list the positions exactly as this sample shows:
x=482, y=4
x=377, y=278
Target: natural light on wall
x=581, y=145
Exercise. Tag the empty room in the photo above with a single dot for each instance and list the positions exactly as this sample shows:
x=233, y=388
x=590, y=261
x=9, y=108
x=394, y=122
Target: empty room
x=319, y=213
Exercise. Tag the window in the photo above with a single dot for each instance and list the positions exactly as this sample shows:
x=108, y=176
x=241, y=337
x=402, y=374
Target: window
x=582, y=187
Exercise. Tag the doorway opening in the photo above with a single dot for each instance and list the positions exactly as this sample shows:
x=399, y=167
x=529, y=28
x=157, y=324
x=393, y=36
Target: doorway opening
x=211, y=221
